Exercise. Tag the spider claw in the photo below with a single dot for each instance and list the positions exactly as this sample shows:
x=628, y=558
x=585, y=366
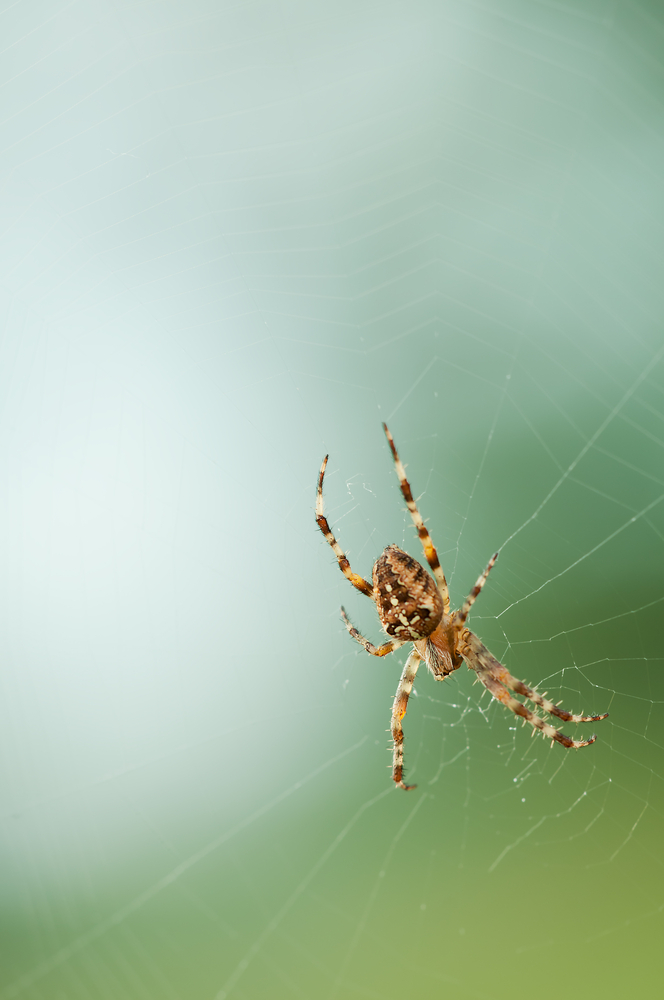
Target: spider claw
x=406, y=788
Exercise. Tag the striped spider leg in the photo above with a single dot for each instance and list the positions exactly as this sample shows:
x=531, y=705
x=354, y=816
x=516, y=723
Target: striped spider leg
x=358, y=582
x=429, y=550
x=412, y=608
x=398, y=711
x=499, y=681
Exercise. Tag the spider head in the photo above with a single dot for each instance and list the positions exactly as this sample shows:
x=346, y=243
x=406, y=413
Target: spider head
x=409, y=604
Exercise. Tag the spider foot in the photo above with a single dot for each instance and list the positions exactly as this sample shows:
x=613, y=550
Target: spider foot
x=406, y=788
x=571, y=744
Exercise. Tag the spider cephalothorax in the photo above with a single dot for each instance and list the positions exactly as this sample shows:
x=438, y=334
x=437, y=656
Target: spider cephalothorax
x=413, y=608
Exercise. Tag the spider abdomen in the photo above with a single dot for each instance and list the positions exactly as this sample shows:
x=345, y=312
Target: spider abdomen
x=409, y=604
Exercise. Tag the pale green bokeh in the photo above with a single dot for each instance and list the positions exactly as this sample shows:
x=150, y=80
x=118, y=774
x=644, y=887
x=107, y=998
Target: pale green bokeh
x=235, y=238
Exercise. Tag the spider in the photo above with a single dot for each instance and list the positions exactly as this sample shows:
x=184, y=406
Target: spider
x=412, y=608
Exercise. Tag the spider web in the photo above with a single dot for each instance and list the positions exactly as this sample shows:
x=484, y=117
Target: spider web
x=237, y=236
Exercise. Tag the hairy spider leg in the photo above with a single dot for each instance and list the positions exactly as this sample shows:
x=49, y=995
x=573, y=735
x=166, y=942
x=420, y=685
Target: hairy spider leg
x=463, y=611
x=503, y=675
x=479, y=659
x=387, y=647
x=358, y=582
x=521, y=688
x=425, y=537
x=398, y=711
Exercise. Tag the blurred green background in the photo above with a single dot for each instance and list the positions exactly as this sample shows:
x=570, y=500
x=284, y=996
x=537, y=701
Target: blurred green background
x=235, y=237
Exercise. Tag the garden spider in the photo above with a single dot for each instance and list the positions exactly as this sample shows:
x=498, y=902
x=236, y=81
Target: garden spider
x=413, y=609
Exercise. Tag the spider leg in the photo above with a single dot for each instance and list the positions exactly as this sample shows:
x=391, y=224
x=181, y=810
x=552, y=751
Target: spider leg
x=463, y=611
x=425, y=537
x=489, y=670
x=358, y=582
x=398, y=711
x=505, y=677
x=387, y=647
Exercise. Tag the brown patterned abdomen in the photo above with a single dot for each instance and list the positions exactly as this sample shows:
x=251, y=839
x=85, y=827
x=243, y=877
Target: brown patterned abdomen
x=408, y=602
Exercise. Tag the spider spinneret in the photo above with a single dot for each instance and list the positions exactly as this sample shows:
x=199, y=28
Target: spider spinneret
x=413, y=608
